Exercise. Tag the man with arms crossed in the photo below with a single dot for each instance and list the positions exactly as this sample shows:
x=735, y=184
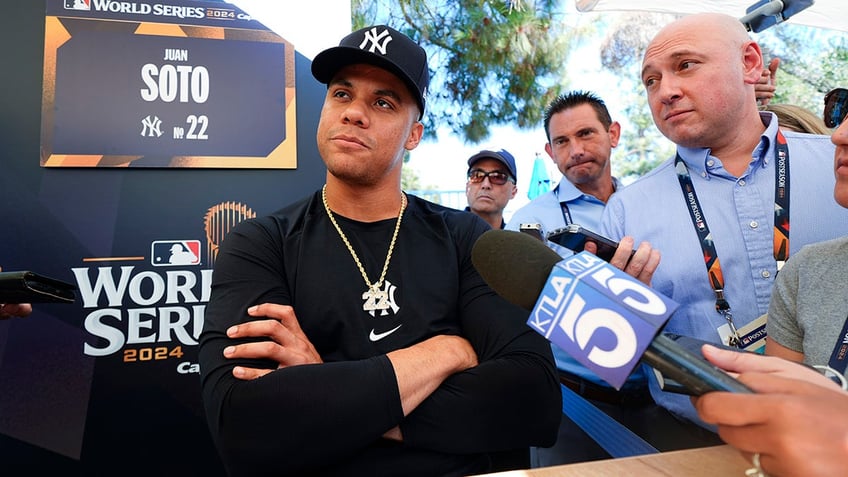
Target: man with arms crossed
x=349, y=333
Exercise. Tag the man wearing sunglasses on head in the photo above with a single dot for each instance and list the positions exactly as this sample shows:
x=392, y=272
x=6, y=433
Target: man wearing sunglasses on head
x=807, y=312
x=491, y=185
x=789, y=426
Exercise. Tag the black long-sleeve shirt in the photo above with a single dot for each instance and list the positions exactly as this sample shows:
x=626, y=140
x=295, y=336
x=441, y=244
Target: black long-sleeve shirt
x=328, y=419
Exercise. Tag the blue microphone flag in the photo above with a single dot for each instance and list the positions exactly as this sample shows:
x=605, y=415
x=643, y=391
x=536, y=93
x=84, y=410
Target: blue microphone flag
x=602, y=317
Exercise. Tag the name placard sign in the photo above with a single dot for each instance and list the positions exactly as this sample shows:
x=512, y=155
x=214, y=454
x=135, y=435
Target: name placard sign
x=178, y=83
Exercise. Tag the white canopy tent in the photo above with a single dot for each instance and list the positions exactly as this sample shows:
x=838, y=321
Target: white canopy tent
x=822, y=13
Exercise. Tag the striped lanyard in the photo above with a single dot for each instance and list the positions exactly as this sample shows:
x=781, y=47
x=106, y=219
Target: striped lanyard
x=839, y=357
x=781, y=227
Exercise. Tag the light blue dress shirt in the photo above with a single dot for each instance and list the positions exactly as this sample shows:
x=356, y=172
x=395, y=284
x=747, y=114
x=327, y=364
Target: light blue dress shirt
x=740, y=215
x=584, y=210
x=546, y=210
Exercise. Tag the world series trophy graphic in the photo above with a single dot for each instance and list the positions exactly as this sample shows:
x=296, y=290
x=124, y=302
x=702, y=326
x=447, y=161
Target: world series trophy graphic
x=218, y=222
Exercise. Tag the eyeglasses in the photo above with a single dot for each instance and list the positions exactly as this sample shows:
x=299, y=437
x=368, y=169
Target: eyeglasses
x=476, y=176
x=835, y=107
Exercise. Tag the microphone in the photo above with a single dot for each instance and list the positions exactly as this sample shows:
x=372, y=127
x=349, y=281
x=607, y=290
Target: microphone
x=766, y=13
x=604, y=318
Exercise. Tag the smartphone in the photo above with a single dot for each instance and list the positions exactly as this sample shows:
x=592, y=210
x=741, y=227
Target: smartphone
x=28, y=287
x=532, y=229
x=574, y=237
x=694, y=374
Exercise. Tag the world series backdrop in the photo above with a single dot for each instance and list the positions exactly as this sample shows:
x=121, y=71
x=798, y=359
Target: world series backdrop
x=133, y=136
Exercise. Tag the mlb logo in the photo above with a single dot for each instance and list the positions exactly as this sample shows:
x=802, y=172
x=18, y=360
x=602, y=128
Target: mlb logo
x=78, y=5
x=170, y=253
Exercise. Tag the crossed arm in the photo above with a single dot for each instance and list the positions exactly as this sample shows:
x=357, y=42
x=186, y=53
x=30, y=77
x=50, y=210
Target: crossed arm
x=420, y=369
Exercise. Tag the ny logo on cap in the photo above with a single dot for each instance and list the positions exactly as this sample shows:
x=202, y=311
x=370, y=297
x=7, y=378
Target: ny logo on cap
x=378, y=41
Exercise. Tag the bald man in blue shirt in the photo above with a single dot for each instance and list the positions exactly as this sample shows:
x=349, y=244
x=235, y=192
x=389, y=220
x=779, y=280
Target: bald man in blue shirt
x=719, y=212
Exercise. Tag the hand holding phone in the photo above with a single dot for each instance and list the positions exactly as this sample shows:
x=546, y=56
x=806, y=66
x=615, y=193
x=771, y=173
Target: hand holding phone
x=698, y=378
x=574, y=237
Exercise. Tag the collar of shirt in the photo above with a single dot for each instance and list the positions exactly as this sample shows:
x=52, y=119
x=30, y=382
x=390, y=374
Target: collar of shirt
x=701, y=162
x=567, y=192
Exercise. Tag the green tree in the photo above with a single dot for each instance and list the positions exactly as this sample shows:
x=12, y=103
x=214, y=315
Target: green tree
x=493, y=62
x=409, y=180
x=500, y=62
x=642, y=146
x=812, y=63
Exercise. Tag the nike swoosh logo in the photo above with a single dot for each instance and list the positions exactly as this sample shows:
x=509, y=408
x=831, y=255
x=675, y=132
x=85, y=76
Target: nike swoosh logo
x=378, y=336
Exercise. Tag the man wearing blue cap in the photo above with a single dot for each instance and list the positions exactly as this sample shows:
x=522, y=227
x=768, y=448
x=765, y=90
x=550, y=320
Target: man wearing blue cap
x=349, y=333
x=491, y=185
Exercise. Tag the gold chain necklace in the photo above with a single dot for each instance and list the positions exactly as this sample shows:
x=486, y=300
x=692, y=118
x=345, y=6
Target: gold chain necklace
x=375, y=299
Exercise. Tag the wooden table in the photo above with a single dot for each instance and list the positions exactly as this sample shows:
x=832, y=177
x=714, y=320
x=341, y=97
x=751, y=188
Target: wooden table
x=722, y=461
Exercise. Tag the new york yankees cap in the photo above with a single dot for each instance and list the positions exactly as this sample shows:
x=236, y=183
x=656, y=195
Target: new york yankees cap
x=380, y=46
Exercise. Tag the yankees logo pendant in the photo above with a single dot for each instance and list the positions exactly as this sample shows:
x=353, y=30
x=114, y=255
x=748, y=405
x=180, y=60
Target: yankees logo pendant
x=375, y=299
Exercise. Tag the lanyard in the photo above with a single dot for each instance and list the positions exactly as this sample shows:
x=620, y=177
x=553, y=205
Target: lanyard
x=781, y=201
x=566, y=214
x=839, y=357
x=781, y=226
